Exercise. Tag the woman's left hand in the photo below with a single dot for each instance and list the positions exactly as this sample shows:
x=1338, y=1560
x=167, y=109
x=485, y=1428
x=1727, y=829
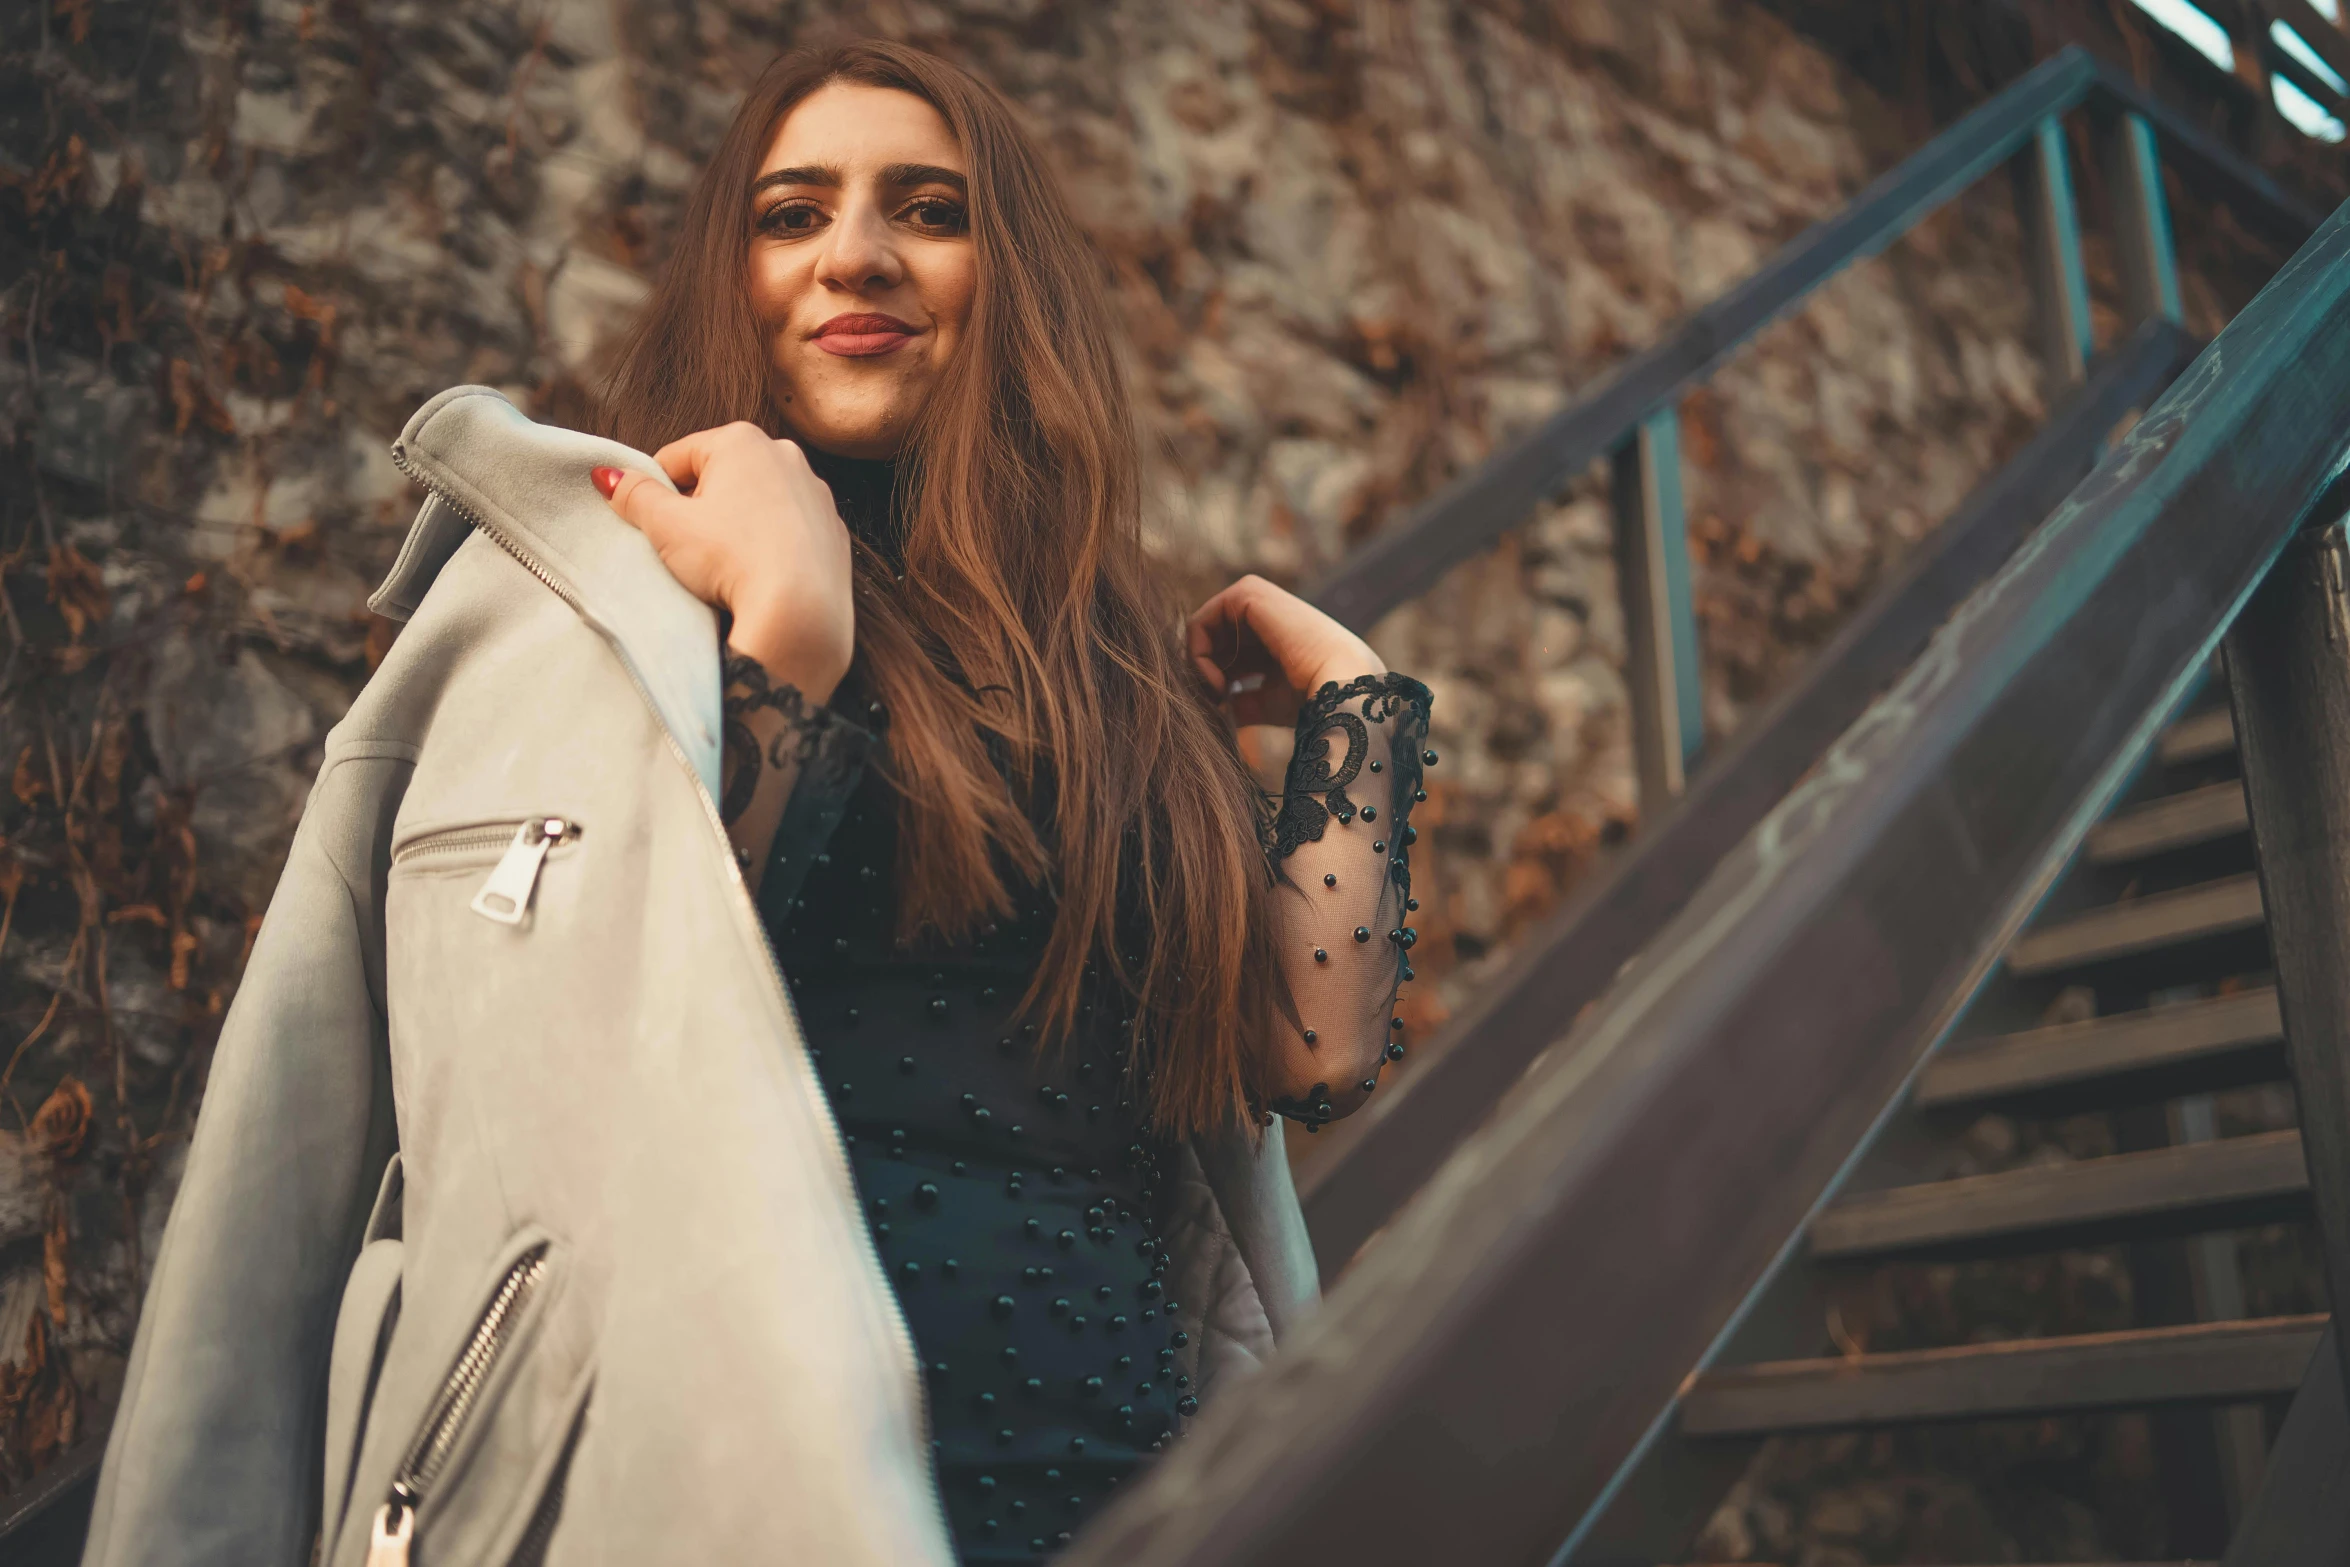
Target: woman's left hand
x=1264, y=650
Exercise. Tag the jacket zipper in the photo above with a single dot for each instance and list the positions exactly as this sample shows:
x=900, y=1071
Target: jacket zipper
x=892, y=1312
x=505, y=897
x=394, y=1530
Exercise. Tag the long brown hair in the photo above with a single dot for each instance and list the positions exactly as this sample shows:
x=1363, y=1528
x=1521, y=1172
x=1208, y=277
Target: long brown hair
x=1027, y=658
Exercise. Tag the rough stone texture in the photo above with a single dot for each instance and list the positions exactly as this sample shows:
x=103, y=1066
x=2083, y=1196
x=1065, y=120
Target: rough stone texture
x=1356, y=244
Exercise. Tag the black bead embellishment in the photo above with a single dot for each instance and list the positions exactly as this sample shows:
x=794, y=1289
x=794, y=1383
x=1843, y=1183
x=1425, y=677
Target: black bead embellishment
x=1362, y=933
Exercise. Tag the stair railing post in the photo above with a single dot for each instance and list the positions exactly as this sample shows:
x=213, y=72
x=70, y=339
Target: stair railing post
x=2141, y=217
x=2289, y=685
x=1660, y=622
x=2052, y=237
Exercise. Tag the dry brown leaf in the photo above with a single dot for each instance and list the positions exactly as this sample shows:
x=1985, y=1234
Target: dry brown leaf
x=62, y=1121
x=192, y=400
x=54, y=1249
x=309, y=309
x=183, y=953
x=29, y=784
x=77, y=588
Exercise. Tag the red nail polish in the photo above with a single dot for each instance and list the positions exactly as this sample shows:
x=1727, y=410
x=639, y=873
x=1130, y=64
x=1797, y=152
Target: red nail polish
x=606, y=480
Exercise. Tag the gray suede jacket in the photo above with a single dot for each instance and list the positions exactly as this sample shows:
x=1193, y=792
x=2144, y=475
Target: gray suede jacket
x=516, y=1227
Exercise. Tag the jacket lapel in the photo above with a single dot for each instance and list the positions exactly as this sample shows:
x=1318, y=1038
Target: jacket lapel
x=526, y=485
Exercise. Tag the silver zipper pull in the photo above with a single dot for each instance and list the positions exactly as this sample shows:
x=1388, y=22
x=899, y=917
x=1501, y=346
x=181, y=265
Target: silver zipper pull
x=387, y=1541
x=505, y=897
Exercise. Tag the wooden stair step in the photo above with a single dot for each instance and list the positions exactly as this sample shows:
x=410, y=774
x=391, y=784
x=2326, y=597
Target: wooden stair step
x=2201, y=1363
x=2175, y=821
x=2207, y=734
x=2224, y=1184
x=2163, y=919
x=2168, y=1042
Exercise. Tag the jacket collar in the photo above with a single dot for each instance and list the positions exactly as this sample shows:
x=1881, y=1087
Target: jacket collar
x=526, y=485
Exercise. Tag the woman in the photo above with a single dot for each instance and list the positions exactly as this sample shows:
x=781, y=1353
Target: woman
x=1039, y=922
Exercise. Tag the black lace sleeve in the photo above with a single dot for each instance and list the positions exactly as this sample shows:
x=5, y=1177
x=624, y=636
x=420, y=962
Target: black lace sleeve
x=1341, y=840
x=829, y=755
x=788, y=771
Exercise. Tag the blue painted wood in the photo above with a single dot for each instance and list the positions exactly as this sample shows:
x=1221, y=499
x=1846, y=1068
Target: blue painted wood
x=1660, y=623
x=1660, y=439
x=2145, y=217
x=2056, y=235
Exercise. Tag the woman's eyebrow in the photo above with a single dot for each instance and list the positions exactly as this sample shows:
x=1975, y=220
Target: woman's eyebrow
x=904, y=174
x=803, y=174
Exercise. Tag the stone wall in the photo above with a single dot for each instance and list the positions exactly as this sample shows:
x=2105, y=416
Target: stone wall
x=1356, y=243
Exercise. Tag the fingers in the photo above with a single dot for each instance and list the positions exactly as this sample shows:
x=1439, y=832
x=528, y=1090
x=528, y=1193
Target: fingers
x=643, y=504
x=685, y=458
x=1216, y=628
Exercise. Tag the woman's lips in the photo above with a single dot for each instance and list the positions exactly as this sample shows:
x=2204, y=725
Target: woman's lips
x=863, y=336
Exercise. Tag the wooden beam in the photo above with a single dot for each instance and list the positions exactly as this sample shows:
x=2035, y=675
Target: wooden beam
x=2301, y=1514
x=2162, y=919
x=2226, y=1184
x=2169, y=1042
x=2052, y=245
x=2289, y=681
x=43, y=1521
x=2175, y=821
x=1660, y=621
x=2141, y=216
x=2146, y=1368
x=2197, y=739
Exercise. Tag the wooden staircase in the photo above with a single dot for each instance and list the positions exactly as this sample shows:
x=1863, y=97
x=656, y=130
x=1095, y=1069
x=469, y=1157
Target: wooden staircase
x=2160, y=921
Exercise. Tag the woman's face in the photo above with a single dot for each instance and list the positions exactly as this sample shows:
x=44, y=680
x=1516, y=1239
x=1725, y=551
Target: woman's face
x=861, y=271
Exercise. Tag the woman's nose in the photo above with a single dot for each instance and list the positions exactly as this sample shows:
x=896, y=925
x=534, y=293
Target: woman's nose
x=860, y=252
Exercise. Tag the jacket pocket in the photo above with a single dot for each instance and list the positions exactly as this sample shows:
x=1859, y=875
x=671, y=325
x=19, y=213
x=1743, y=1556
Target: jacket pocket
x=364, y=1323
x=439, y=1460
x=515, y=849
x=363, y=1328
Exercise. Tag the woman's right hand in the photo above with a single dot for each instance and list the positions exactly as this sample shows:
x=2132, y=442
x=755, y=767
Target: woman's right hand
x=755, y=533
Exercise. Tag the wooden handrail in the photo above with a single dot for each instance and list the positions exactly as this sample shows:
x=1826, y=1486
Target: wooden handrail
x=1495, y=497
x=1577, y=952
x=1477, y=1378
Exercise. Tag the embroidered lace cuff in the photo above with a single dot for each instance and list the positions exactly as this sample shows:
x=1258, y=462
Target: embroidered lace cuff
x=1340, y=840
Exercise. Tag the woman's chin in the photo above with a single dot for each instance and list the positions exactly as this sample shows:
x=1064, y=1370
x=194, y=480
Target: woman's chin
x=865, y=440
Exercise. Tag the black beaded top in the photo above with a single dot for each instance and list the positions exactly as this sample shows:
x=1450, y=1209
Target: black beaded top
x=1014, y=1202
x=1014, y=1197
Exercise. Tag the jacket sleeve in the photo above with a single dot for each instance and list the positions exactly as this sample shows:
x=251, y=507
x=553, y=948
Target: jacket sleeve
x=216, y=1445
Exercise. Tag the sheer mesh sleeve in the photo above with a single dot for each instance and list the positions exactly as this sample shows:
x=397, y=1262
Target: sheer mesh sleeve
x=788, y=770
x=1341, y=846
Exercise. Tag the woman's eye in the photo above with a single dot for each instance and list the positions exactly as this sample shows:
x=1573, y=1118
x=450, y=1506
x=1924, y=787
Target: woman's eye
x=936, y=215
x=791, y=217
